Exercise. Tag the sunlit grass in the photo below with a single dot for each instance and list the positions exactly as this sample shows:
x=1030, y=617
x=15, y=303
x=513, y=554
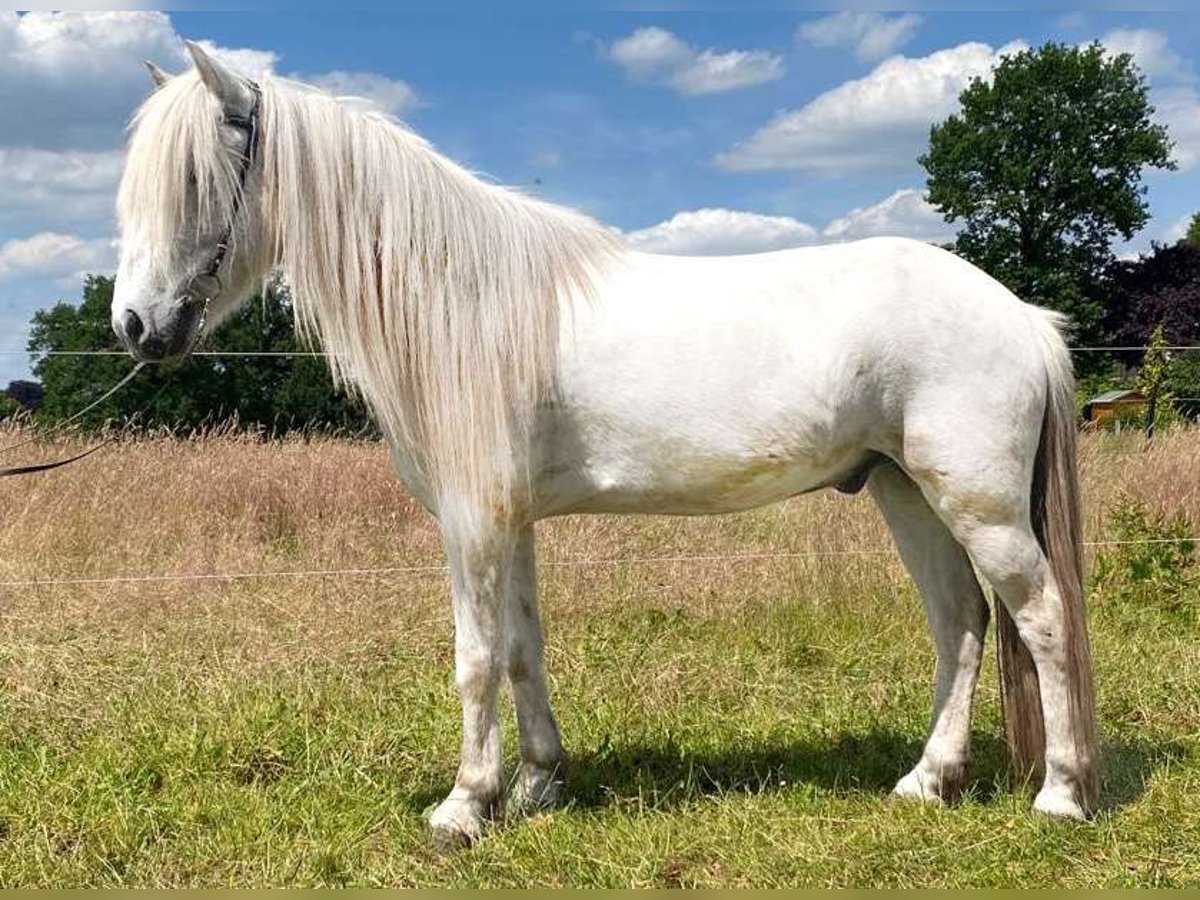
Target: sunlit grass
x=732, y=722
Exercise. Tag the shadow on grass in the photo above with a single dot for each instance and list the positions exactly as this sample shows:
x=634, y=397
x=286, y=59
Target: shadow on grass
x=667, y=776
x=1128, y=765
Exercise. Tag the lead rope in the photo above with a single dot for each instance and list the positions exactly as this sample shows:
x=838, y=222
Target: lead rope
x=248, y=123
x=45, y=467
x=63, y=424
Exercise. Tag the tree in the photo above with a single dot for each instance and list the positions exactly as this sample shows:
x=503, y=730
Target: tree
x=1192, y=235
x=1159, y=290
x=276, y=393
x=1043, y=166
x=28, y=394
x=1152, y=379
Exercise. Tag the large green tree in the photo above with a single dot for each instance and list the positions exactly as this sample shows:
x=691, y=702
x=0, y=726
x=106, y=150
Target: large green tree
x=273, y=393
x=1043, y=167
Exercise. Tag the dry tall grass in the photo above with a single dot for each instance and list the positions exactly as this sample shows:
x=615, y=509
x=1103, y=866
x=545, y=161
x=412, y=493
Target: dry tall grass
x=227, y=503
x=79, y=655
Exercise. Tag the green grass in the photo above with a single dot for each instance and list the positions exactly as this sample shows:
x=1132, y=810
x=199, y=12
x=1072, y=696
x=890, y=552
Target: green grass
x=727, y=724
x=768, y=765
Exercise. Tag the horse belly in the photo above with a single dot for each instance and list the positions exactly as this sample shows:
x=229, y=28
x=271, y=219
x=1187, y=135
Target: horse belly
x=685, y=457
x=693, y=486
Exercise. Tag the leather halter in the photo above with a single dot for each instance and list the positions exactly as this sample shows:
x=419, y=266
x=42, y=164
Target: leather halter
x=193, y=292
x=210, y=277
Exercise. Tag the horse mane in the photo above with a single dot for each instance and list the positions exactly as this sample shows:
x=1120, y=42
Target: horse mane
x=437, y=295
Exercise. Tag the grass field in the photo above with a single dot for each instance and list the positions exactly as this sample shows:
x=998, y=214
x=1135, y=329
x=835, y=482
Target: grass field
x=728, y=722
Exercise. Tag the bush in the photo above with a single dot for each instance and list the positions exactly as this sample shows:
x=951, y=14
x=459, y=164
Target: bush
x=1152, y=569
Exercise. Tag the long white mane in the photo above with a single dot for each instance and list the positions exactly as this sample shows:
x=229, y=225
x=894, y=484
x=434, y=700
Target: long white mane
x=437, y=295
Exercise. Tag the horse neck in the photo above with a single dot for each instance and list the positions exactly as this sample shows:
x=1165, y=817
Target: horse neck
x=437, y=295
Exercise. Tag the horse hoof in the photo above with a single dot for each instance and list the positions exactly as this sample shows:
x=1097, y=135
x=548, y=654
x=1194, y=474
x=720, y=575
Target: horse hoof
x=937, y=787
x=450, y=840
x=920, y=787
x=537, y=789
x=1059, y=803
x=455, y=825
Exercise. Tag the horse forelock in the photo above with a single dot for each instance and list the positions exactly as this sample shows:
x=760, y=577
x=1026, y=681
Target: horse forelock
x=175, y=153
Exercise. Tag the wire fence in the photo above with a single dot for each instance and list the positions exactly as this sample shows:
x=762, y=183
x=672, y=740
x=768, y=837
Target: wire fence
x=234, y=354
x=382, y=571
x=441, y=569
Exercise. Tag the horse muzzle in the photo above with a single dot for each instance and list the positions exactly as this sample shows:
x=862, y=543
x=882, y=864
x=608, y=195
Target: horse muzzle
x=175, y=338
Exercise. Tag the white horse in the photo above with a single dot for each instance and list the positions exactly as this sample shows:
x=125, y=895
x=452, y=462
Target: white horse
x=523, y=364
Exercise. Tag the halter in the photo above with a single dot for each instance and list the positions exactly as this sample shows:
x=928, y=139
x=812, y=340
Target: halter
x=201, y=287
x=206, y=284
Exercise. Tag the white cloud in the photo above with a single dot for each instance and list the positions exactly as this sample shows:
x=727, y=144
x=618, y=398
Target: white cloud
x=1174, y=95
x=68, y=84
x=717, y=232
x=656, y=54
x=53, y=255
x=1150, y=50
x=872, y=35
x=44, y=186
x=1179, y=109
x=880, y=121
x=650, y=51
x=722, y=231
x=83, y=73
x=246, y=61
x=391, y=96
x=906, y=213
x=710, y=72
x=71, y=45
x=1175, y=232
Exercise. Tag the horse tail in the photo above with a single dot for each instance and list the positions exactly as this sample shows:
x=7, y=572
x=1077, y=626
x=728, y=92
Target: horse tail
x=1057, y=523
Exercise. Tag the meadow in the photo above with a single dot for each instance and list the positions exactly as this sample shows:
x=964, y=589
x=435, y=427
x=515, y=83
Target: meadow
x=737, y=694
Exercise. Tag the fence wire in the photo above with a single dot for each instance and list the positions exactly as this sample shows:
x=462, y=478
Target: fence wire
x=236, y=354
x=549, y=564
x=442, y=569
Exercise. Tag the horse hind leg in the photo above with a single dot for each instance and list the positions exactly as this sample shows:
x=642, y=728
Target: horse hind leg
x=986, y=504
x=957, y=616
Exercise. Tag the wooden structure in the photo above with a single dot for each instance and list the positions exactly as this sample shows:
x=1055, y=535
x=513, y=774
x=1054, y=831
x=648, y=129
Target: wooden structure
x=1127, y=405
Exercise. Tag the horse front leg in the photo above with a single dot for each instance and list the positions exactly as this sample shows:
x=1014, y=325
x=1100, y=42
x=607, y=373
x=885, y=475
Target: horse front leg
x=480, y=575
x=540, y=779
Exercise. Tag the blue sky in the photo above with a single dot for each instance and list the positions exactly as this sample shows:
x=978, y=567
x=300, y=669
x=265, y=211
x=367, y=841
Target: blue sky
x=691, y=132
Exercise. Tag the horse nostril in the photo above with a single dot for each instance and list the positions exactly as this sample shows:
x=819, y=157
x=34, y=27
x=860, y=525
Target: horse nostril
x=132, y=323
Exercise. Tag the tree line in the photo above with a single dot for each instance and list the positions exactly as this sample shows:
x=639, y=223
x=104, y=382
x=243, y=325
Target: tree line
x=272, y=394
x=1041, y=169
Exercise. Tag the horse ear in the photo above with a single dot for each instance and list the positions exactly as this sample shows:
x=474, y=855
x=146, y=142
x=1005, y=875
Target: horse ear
x=226, y=85
x=160, y=77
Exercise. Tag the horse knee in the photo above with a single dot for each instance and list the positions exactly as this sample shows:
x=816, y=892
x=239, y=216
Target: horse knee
x=476, y=673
